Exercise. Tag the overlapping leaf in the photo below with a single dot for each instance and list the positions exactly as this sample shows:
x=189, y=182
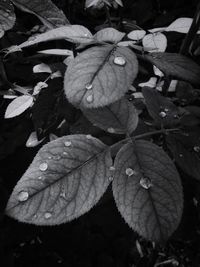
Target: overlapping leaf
x=155, y=41
x=7, y=16
x=100, y=76
x=65, y=180
x=109, y=35
x=147, y=190
x=119, y=117
x=176, y=65
x=46, y=11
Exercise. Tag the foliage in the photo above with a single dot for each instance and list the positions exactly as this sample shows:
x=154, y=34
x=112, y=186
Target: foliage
x=72, y=171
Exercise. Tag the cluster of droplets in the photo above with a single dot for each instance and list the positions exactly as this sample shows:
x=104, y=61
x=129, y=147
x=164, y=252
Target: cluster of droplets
x=112, y=169
x=145, y=182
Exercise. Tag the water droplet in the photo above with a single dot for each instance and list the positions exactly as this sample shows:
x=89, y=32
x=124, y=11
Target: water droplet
x=119, y=61
x=129, y=171
x=63, y=195
x=181, y=155
x=23, y=196
x=145, y=182
x=111, y=130
x=43, y=166
x=112, y=168
x=49, y=157
x=90, y=98
x=162, y=114
x=88, y=86
x=47, y=215
x=57, y=157
x=40, y=178
x=64, y=153
x=110, y=178
x=68, y=143
x=196, y=149
x=166, y=109
x=88, y=136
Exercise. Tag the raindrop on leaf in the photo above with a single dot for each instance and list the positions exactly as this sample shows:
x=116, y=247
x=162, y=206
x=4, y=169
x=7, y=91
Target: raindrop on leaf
x=88, y=86
x=43, y=166
x=23, y=196
x=47, y=215
x=90, y=98
x=145, y=182
x=119, y=61
x=68, y=143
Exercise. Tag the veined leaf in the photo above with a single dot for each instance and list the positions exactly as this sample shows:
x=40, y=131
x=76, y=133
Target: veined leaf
x=181, y=25
x=176, y=65
x=100, y=76
x=66, y=179
x=136, y=35
x=18, y=106
x=7, y=16
x=109, y=35
x=46, y=11
x=119, y=118
x=147, y=190
x=155, y=41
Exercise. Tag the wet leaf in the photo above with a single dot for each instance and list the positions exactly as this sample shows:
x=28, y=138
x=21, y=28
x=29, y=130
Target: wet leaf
x=7, y=16
x=181, y=25
x=100, y=76
x=136, y=35
x=147, y=190
x=18, y=106
x=155, y=41
x=119, y=118
x=66, y=179
x=109, y=35
x=46, y=11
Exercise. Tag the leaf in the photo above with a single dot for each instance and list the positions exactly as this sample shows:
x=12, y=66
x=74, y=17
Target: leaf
x=66, y=179
x=109, y=35
x=33, y=140
x=119, y=2
x=181, y=25
x=176, y=65
x=155, y=41
x=42, y=67
x=7, y=16
x=186, y=151
x=160, y=108
x=100, y=76
x=91, y=3
x=46, y=11
x=136, y=35
x=147, y=190
x=119, y=118
x=57, y=52
x=18, y=106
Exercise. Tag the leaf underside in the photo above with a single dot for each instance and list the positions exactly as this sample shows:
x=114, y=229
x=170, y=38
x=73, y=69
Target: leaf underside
x=154, y=212
x=96, y=66
x=74, y=177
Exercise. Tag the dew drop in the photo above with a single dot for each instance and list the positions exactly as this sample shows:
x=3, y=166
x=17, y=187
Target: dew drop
x=90, y=98
x=196, y=149
x=180, y=155
x=112, y=168
x=88, y=86
x=65, y=153
x=68, y=143
x=43, y=166
x=129, y=171
x=57, y=157
x=162, y=114
x=47, y=215
x=63, y=195
x=88, y=136
x=111, y=130
x=145, y=182
x=49, y=157
x=111, y=178
x=23, y=196
x=119, y=61
x=40, y=178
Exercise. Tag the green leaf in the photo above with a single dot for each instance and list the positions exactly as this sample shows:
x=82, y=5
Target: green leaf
x=119, y=118
x=155, y=41
x=7, y=16
x=136, y=35
x=100, y=76
x=46, y=11
x=160, y=108
x=181, y=25
x=186, y=151
x=66, y=179
x=18, y=106
x=176, y=65
x=147, y=190
x=109, y=35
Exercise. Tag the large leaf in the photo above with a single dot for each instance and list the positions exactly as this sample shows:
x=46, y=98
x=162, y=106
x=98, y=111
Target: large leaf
x=100, y=76
x=176, y=65
x=109, y=35
x=186, y=151
x=160, y=108
x=65, y=180
x=147, y=190
x=46, y=11
x=119, y=117
x=7, y=16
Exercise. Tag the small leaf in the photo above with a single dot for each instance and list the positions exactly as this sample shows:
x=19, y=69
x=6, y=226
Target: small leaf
x=186, y=151
x=136, y=35
x=155, y=41
x=119, y=2
x=100, y=76
x=181, y=25
x=147, y=190
x=56, y=52
x=176, y=65
x=66, y=179
x=7, y=16
x=33, y=140
x=160, y=108
x=18, y=106
x=42, y=68
x=109, y=35
x=120, y=116
x=46, y=11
